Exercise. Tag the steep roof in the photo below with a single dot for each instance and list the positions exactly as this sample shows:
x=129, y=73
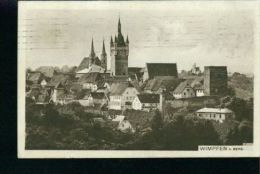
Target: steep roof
x=181, y=87
x=161, y=69
x=119, y=88
x=169, y=83
x=56, y=79
x=89, y=78
x=35, y=77
x=215, y=110
x=149, y=98
x=83, y=64
x=91, y=69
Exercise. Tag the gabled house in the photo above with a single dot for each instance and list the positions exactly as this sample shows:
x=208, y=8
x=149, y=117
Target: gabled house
x=146, y=102
x=90, y=81
x=57, y=79
x=184, y=90
x=36, y=77
x=97, y=98
x=123, y=124
x=121, y=95
x=58, y=94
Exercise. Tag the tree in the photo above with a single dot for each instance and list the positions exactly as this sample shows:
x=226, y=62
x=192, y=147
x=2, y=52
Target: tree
x=242, y=133
x=157, y=121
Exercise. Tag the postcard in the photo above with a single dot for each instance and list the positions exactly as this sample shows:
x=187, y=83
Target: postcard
x=138, y=79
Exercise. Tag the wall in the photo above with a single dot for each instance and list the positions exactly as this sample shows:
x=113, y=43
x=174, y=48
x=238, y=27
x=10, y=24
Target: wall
x=193, y=102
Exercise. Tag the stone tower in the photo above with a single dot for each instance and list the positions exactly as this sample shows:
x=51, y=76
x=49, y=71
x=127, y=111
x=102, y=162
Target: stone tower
x=103, y=57
x=119, y=50
x=215, y=80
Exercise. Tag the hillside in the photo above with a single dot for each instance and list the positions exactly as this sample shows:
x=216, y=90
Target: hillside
x=243, y=85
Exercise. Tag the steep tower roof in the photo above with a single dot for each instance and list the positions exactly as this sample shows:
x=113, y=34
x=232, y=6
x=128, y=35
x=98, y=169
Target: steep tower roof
x=92, y=52
x=103, y=49
x=111, y=41
x=120, y=38
x=127, y=41
x=119, y=25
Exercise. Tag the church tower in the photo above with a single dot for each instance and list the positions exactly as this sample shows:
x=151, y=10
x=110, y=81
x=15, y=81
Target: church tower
x=119, y=50
x=92, y=54
x=103, y=57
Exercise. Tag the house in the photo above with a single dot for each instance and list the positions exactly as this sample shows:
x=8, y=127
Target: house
x=97, y=98
x=146, y=102
x=36, y=78
x=90, y=81
x=58, y=94
x=135, y=73
x=121, y=95
x=57, y=79
x=184, y=90
x=123, y=124
x=217, y=114
x=160, y=69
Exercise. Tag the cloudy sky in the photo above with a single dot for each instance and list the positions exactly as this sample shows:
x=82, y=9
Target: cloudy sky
x=215, y=33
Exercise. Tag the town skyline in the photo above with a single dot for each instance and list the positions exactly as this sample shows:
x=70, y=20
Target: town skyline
x=181, y=38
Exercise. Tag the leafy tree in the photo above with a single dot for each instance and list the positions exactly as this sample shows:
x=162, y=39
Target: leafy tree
x=157, y=121
x=242, y=133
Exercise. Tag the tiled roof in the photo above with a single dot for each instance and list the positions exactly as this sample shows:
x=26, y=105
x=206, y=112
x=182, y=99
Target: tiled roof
x=149, y=98
x=161, y=69
x=89, y=78
x=119, y=88
x=56, y=79
x=154, y=84
x=181, y=87
x=83, y=64
x=35, y=77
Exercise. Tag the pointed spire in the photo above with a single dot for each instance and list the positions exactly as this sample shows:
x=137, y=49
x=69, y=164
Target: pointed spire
x=127, y=41
x=103, y=49
x=92, y=52
x=111, y=41
x=119, y=25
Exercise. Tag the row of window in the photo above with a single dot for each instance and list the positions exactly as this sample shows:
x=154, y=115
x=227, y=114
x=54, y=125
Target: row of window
x=211, y=115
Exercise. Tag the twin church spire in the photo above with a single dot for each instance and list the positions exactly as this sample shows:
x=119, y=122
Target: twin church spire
x=119, y=63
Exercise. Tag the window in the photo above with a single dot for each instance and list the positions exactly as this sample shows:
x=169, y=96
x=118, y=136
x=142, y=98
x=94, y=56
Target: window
x=184, y=93
x=188, y=90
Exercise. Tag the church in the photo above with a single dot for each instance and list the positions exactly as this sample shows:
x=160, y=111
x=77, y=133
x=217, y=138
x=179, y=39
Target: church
x=119, y=51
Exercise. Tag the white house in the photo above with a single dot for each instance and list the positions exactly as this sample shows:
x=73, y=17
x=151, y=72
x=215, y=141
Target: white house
x=90, y=81
x=217, y=114
x=121, y=94
x=123, y=124
x=146, y=102
x=184, y=90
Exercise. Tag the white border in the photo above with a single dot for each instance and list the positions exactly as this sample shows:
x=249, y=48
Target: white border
x=22, y=153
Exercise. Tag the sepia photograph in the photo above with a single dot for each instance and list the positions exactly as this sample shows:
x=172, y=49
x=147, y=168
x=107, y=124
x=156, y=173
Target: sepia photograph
x=138, y=79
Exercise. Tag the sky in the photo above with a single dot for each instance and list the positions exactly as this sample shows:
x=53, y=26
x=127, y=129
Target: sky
x=217, y=33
